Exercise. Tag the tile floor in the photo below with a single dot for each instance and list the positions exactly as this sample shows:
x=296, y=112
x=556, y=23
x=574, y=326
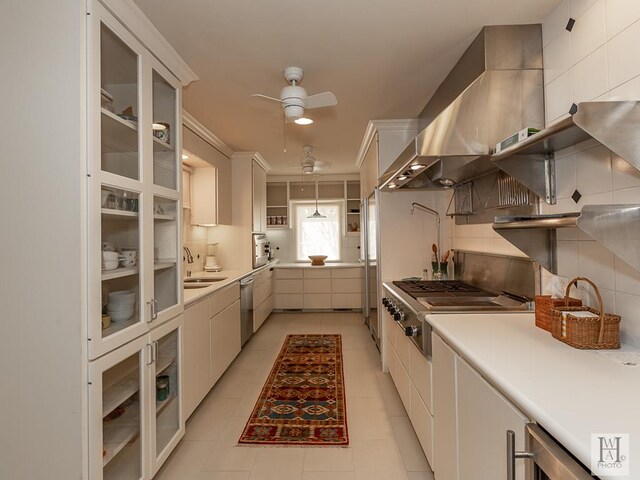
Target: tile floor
x=382, y=446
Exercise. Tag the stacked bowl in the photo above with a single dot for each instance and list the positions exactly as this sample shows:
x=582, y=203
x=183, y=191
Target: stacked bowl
x=121, y=305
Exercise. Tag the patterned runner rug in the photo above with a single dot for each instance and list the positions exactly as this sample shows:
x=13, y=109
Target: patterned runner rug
x=303, y=401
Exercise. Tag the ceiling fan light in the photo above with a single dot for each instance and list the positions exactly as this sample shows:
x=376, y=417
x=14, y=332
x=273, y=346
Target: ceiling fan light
x=303, y=121
x=308, y=169
x=293, y=112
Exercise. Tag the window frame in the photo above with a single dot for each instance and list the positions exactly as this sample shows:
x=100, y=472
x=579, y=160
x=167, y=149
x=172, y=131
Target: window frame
x=312, y=203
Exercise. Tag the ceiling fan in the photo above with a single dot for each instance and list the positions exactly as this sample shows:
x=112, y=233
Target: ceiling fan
x=294, y=99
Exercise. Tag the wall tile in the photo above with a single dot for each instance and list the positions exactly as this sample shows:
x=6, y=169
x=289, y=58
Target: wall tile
x=627, y=278
x=628, y=306
x=557, y=57
x=593, y=171
x=624, y=56
x=589, y=32
x=596, y=263
x=620, y=14
x=568, y=258
x=628, y=195
x=627, y=91
x=623, y=174
x=555, y=23
x=565, y=177
x=590, y=78
x=578, y=7
x=558, y=97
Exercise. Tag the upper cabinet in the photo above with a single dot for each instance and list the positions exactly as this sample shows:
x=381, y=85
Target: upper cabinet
x=382, y=143
x=134, y=188
x=210, y=175
x=259, y=204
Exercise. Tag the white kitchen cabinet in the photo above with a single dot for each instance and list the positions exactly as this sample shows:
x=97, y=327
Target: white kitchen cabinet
x=197, y=358
x=186, y=187
x=263, y=296
x=484, y=416
x=135, y=416
x=422, y=422
x=445, y=418
x=134, y=185
x=259, y=188
x=212, y=341
x=225, y=339
x=471, y=419
x=204, y=196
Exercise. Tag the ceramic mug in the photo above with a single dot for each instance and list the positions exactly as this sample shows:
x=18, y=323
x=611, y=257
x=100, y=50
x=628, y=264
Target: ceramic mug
x=110, y=260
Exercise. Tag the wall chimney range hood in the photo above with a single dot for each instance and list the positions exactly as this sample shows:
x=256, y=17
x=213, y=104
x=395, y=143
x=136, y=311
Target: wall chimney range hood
x=494, y=90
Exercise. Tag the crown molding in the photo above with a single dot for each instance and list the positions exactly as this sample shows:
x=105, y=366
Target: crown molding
x=196, y=127
x=259, y=159
x=375, y=126
x=146, y=33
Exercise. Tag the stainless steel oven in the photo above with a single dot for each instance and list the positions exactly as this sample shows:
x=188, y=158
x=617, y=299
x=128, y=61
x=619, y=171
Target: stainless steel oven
x=546, y=458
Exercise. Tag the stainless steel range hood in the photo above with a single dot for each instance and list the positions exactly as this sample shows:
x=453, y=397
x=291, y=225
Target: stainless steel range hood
x=495, y=89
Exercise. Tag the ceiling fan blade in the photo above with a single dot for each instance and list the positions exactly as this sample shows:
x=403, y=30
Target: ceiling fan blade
x=324, y=99
x=265, y=97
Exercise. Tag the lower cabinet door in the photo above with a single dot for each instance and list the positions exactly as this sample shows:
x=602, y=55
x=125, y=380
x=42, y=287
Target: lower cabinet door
x=422, y=422
x=262, y=312
x=118, y=427
x=165, y=372
x=225, y=339
x=484, y=416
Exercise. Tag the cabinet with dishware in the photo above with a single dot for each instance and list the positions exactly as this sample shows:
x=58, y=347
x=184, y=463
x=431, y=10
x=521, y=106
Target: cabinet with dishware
x=281, y=191
x=134, y=190
x=135, y=414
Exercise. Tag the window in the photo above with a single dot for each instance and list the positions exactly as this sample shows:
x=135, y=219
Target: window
x=318, y=236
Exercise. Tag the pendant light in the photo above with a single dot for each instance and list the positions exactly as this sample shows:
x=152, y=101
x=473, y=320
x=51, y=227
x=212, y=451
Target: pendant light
x=317, y=214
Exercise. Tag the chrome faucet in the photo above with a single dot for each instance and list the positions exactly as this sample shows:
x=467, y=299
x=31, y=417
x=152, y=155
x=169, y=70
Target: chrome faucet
x=437, y=215
x=189, y=258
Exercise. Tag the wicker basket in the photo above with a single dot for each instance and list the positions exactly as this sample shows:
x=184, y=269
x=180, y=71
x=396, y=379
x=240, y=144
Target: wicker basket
x=544, y=304
x=601, y=332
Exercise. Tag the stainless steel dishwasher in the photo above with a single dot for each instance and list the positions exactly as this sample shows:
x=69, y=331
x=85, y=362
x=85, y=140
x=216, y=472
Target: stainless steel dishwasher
x=246, y=308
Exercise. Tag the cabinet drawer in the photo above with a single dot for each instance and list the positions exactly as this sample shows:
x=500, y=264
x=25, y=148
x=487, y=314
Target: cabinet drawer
x=222, y=299
x=260, y=277
x=317, y=285
x=288, y=301
x=346, y=300
x=260, y=293
x=356, y=272
x=403, y=348
x=262, y=312
x=403, y=384
x=422, y=422
x=420, y=374
x=288, y=273
x=315, y=272
x=346, y=285
x=317, y=300
x=288, y=286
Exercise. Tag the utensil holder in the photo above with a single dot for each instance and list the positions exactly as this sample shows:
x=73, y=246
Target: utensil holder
x=591, y=333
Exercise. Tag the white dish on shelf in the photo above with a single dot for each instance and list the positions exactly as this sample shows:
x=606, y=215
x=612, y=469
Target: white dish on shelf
x=121, y=315
x=122, y=296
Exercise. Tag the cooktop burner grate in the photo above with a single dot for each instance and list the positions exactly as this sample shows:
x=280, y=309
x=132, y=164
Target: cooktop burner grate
x=425, y=287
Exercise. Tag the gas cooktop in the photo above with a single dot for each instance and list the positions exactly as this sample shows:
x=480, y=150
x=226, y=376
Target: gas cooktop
x=423, y=288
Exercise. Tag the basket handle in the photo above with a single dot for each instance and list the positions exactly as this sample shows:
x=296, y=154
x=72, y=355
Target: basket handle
x=599, y=297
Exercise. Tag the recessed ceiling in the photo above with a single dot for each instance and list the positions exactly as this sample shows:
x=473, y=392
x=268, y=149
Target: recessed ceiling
x=383, y=59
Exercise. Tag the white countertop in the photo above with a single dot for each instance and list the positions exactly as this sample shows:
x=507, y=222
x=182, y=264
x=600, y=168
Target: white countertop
x=571, y=393
x=194, y=294
x=326, y=265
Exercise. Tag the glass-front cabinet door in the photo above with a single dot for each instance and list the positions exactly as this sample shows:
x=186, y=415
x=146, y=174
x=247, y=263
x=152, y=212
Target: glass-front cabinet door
x=117, y=438
x=134, y=189
x=166, y=422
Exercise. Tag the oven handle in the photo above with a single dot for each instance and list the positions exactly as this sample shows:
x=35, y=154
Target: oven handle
x=546, y=454
x=512, y=454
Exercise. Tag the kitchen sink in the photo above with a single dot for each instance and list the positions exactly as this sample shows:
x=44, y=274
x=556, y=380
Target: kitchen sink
x=202, y=280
